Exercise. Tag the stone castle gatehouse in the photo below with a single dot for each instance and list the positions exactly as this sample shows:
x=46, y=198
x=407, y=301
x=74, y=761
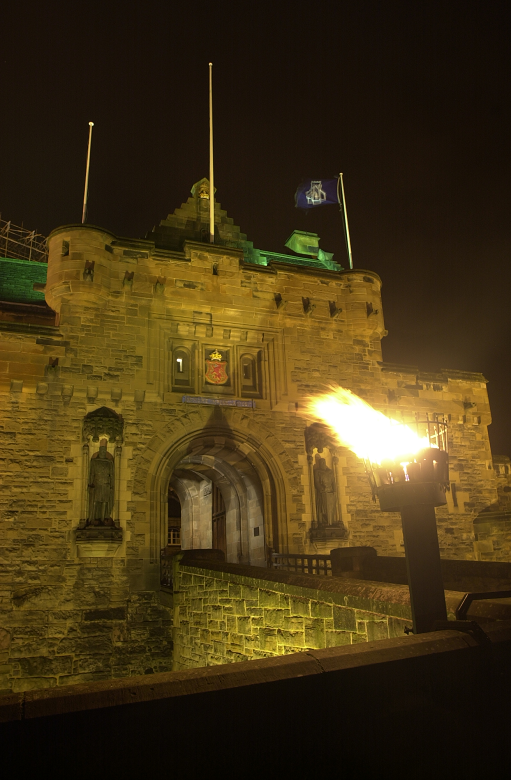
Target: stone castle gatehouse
x=153, y=398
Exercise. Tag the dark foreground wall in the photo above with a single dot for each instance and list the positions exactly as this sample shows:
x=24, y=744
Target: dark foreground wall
x=433, y=705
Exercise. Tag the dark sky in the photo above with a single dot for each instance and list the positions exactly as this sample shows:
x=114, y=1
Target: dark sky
x=409, y=99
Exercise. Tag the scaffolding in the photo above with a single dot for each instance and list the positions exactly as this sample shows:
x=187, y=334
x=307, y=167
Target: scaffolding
x=22, y=244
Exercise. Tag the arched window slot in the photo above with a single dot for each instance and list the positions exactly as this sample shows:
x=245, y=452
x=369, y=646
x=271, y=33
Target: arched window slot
x=248, y=371
x=250, y=375
x=181, y=369
x=88, y=271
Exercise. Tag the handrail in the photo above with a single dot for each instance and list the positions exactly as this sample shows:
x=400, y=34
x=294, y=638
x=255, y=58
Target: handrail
x=303, y=563
x=468, y=598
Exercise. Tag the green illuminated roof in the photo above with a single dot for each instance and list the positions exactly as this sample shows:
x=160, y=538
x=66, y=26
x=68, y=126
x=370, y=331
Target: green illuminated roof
x=17, y=279
x=323, y=261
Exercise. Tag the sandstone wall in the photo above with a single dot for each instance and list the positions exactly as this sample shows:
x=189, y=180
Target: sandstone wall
x=222, y=616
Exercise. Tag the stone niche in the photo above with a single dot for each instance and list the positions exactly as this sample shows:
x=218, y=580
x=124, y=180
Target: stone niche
x=99, y=533
x=327, y=525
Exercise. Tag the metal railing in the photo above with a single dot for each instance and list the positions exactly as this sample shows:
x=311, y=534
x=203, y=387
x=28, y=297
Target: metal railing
x=302, y=564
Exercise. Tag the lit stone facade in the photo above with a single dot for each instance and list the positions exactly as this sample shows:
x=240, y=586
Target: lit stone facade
x=192, y=363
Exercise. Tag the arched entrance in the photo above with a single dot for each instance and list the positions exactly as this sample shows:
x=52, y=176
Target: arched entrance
x=222, y=503
x=231, y=488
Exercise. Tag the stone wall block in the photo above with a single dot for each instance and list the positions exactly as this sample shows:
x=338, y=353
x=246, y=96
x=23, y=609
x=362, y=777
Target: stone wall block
x=254, y=612
x=33, y=683
x=244, y=625
x=239, y=607
x=269, y=599
x=300, y=606
x=268, y=640
x=315, y=634
x=234, y=591
x=320, y=609
x=250, y=594
x=39, y=666
x=252, y=643
x=377, y=629
x=337, y=638
x=344, y=619
x=293, y=623
x=290, y=638
x=274, y=617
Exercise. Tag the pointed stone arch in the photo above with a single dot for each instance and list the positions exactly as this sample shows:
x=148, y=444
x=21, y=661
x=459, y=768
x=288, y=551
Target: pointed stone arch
x=218, y=444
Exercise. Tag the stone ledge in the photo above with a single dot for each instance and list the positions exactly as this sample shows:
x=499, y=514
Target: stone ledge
x=165, y=685
x=441, y=375
x=362, y=594
x=33, y=330
x=250, y=575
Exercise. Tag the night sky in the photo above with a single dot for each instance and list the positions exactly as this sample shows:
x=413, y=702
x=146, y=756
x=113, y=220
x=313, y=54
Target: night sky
x=409, y=99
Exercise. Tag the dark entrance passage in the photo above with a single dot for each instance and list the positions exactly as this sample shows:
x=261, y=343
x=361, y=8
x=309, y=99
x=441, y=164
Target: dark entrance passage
x=218, y=521
x=174, y=520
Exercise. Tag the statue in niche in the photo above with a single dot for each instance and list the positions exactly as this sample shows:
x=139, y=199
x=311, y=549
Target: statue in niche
x=101, y=487
x=325, y=492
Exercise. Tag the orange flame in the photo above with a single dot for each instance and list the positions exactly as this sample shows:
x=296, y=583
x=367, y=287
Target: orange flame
x=365, y=431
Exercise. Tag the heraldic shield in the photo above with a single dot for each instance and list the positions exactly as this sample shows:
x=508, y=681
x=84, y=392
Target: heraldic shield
x=216, y=371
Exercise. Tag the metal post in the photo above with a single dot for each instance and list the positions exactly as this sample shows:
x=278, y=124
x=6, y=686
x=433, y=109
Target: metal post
x=118, y=461
x=86, y=191
x=414, y=488
x=422, y=553
x=7, y=238
x=211, y=176
x=346, y=221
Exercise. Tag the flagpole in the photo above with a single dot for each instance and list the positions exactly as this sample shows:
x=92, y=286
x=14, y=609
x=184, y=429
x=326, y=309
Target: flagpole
x=86, y=191
x=345, y=219
x=211, y=177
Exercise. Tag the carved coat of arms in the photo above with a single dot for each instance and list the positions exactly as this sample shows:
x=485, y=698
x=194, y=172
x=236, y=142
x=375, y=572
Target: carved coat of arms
x=216, y=369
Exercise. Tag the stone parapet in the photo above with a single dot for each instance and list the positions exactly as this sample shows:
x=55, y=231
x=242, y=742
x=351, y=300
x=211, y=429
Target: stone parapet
x=225, y=613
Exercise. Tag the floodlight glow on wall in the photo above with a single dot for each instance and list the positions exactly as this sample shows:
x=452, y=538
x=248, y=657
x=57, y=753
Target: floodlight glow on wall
x=408, y=470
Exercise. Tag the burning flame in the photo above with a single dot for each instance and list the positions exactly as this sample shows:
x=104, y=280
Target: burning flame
x=365, y=431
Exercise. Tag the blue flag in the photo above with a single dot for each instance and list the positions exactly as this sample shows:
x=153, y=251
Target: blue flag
x=316, y=192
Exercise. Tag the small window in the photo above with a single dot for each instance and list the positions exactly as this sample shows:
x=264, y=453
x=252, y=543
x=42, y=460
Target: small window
x=250, y=376
x=181, y=369
x=247, y=370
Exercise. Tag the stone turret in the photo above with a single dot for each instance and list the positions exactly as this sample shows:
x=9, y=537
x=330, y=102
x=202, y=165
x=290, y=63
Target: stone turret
x=79, y=265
